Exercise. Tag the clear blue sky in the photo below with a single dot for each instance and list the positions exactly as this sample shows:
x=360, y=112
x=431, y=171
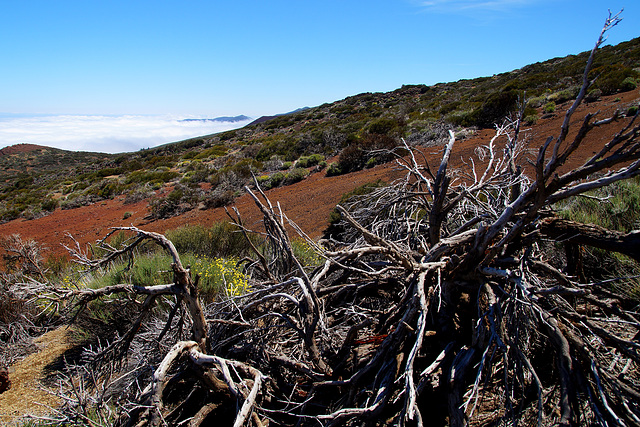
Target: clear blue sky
x=211, y=58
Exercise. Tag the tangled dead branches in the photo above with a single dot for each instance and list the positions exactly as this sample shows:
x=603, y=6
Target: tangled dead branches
x=438, y=302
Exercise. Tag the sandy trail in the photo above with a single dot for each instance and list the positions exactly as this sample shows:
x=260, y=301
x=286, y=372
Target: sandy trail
x=28, y=393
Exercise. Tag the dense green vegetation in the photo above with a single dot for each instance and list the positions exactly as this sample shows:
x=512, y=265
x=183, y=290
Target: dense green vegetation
x=287, y=148
x=615, y=207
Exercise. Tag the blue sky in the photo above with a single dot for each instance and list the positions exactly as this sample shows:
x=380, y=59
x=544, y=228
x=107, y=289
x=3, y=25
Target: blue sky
x=214, y=58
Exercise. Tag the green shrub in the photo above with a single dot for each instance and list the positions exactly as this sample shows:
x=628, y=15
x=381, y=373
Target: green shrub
x=213, y=152
x=268, y=182
x=217, y=275
x=632, y=111
x=495, y=108
x=564, y=95
x=549, y=107
x=462, y=118
x=109, y=189
x=222, y=239
x=531, y=119
x=309, y=161
x=537, y=101
x=295, y=175
x=142, y=176
x=593, y=95
x=220, y=197
x=384, y=125
x=181, y=199
x=334, y=169
x=371, y=162
x=619, y=211
x=613, y=78
x=49, y=204
x=305, y=253
x=616, y=207
x=628, y=84
x=148, y=270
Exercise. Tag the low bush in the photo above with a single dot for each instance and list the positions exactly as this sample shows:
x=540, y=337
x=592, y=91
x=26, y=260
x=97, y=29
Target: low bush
x=495, y=108
x=616, y=207
x=593, y=95
x=49, y=204
x=142, y=176
x=309, y=161
x=370, y=150
x=564, y=95
x=305, y=253
x=181, y=199
x=385, y=125
x=613, y=78
x=537, y=101
x=628, y=84
x=220, y=197
x=334, y=169
x=295, y=175
x=222, y=239
x=209, y=153
x=268, y=182
x=549, y=107
x=217, y=275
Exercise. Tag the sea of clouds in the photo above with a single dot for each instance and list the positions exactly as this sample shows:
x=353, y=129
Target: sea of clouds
x=104, y=133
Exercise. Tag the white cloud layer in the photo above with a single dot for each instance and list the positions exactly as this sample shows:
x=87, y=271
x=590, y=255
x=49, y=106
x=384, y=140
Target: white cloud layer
x=107, y=134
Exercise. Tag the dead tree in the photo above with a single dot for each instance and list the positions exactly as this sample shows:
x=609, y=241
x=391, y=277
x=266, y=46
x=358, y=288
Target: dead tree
x=438, y=302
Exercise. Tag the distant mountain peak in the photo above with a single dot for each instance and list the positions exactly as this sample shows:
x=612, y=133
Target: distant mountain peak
x=267, y=118
x=223, y=119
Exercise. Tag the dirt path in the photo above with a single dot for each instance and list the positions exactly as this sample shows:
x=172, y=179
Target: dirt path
x=27, y=394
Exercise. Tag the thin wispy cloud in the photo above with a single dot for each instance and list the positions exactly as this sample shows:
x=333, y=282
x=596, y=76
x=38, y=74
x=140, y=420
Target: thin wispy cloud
x=108, y=134
x=470, y=5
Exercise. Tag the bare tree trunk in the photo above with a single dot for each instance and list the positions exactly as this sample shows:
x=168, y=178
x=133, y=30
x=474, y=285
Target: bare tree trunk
x=576, y=233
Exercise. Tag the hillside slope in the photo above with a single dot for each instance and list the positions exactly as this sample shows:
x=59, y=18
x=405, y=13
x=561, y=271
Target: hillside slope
x=308, y=202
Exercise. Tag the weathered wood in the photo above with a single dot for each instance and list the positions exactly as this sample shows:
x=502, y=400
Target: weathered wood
x=576, y=233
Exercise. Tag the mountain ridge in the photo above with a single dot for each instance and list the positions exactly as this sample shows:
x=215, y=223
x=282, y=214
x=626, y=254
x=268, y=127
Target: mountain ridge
x=229, y=119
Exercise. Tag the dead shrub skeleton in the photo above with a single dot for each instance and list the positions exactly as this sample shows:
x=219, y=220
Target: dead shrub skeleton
x=441, y=305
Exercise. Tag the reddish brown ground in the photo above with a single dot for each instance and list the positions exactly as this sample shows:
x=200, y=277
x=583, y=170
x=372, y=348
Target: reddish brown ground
x=309, y=202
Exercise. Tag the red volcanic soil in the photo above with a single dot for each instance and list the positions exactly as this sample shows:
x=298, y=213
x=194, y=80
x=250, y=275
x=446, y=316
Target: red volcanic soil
x=309, y=202
x=19, y=148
